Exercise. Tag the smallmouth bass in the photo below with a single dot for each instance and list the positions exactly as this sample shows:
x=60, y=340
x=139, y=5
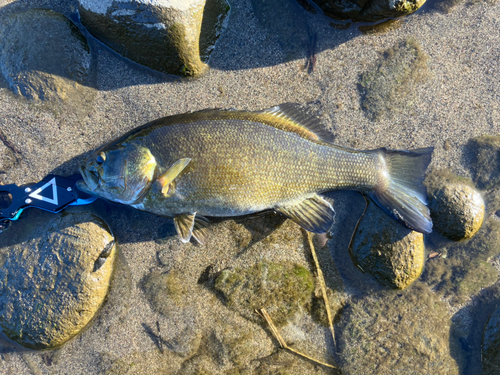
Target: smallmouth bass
x=223, y=163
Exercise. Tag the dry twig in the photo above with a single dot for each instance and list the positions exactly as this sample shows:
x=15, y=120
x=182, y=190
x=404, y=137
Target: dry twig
x=263, y=313
x=323, y=287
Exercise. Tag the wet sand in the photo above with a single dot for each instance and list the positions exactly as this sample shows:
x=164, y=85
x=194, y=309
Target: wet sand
x=250, y=70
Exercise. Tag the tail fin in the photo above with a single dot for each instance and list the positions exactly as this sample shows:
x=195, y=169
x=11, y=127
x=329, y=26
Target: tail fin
x=401, y=193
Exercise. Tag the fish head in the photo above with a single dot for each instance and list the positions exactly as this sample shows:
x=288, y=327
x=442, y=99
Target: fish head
x=120, y=173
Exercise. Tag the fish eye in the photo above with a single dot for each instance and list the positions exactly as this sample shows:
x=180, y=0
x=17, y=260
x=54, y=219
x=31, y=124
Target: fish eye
x=101, y=158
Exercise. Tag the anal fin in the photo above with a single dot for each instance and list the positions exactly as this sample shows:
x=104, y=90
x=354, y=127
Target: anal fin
x=192, y=225
x=200, y=229
x=314, y=214
x=184, y=225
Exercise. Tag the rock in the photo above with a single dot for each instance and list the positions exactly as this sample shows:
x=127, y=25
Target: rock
x=457, y=208
x=389, y=88
x=368, y=10
x=54, y=279
x=463, y=270
x=43, y=55
x=391, y=253
x=490, y=349
x=485, y=163
x=396, y=333
x=281, y=288
x=171, y=36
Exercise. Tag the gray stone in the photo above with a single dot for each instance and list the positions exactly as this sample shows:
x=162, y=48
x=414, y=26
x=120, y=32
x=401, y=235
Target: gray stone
x=43, y=55
x=368, y=10
x=54, y=278
x=171, y=36
x=391, y=253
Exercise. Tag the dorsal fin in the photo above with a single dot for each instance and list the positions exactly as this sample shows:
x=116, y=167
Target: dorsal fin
x=305, y=125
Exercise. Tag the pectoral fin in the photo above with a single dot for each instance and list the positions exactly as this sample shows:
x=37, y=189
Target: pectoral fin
x=190, y=225
x=313, y=214
x=166, y=180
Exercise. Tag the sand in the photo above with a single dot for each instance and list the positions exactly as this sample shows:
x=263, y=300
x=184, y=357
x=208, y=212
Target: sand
x=251, y=69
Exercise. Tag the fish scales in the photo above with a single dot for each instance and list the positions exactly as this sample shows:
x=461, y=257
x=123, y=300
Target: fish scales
x=242, y=166
x=232, y=163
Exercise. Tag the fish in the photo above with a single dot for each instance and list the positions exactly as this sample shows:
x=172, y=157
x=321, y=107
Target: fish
x=225, y=163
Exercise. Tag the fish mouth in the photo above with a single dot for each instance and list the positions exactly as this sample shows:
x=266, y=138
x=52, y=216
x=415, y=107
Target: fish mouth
x=91, y=180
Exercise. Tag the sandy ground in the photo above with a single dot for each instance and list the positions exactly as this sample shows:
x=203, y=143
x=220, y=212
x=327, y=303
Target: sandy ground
x=251, y=70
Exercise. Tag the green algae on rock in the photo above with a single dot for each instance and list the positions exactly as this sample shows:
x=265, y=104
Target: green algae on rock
x=54, y=278
x=485, y=163
x=43, y=55
x=457, y=208
x=392, y=254
x=174, y=37
x=389, y=88
x=490, y=348
x=393, y=333
x=281, y=288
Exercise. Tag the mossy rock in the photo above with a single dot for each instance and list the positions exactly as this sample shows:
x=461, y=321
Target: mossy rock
x=391, y=253
x=457, y=208
x=171, y=37
x=43, y=55
x=485, y=163
x=281, y=288
x=54, y=278
x=393, y=333
x=389, y=88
